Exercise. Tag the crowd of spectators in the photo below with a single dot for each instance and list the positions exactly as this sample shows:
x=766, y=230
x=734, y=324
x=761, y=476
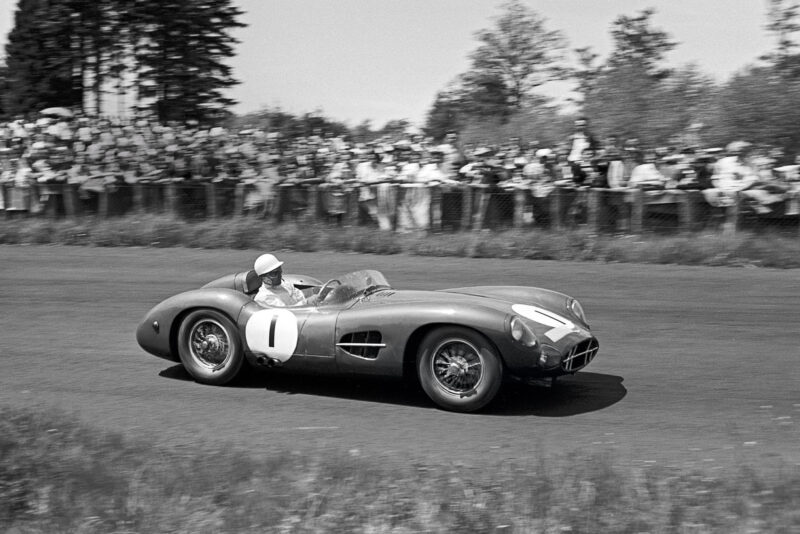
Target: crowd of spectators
x=104, y=155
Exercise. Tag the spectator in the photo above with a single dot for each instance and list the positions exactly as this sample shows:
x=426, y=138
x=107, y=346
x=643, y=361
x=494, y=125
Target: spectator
x=579, y=144
x=731, y=176
x=646, y=175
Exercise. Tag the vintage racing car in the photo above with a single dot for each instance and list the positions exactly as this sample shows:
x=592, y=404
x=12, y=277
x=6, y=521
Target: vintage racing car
x=460, y=343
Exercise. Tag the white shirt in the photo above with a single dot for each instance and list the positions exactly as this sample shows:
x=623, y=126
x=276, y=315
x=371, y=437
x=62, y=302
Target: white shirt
x=731, y=175
x=279, y=296
x=646, y=174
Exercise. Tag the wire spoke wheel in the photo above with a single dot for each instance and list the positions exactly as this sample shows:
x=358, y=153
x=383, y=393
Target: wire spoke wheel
x=209, y=344
x=209, y=347
x=457, y=365
x=458, y=368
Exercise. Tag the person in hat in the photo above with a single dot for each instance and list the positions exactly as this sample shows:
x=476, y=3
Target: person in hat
x=274, y=290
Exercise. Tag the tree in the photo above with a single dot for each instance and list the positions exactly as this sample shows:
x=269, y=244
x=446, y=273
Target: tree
x=514, y=58
x=588, y=71
x=446, y=114
x=180, y=48
x=4, y=86
x=638, y=44
x=633, y=94
x=783, y=23
x=61, y=51
x=40, y=68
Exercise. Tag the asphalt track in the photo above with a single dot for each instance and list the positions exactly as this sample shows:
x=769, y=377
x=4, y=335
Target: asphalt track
x=697, y=366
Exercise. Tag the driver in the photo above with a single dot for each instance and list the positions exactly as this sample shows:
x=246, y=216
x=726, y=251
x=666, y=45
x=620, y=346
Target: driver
x=274, y=291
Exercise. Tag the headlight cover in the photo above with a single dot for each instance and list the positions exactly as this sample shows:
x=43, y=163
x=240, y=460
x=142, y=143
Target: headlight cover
x=521, y=333
x=550, y=358
x=575, y=307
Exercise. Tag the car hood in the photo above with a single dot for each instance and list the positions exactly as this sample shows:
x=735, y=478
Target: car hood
x=501, y=298
x=534, y=296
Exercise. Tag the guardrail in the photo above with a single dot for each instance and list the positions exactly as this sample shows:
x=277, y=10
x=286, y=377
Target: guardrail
x=438, y=208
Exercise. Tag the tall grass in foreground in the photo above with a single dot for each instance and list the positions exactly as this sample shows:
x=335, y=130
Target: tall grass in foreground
x=765, y=249
x=56, y=475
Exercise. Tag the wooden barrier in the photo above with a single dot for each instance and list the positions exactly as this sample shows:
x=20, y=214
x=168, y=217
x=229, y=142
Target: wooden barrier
x=238, y=201
x=471, y=207
x=212, y=203
x=520, y=203
x=436, y=209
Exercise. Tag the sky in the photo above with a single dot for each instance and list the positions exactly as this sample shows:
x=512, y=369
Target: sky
x=379, y=60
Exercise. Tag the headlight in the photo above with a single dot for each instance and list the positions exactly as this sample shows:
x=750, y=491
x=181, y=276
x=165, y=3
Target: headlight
x=521, y=333
x=575, y=307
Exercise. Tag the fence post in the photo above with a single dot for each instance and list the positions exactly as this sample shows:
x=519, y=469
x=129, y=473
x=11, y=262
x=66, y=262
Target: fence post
x=480, y=209
x=312, y=208
x=211, y=199
x=238, y=200
x=637, y=211
x=593, y=209
x=466, y=206
x=436, y=208
x=685, y=211
x=138, y=197
x=733, y=216
x=556, y=201
x=102, y=204
x=71, y=206
x=351, y=206
x=519, y=207
x=281, y=202
x=399, y=205
x=171, y=199
x=50, y=207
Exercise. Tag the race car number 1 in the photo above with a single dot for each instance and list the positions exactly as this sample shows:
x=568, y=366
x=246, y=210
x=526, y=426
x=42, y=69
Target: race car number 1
x=560, y=326
x=272, y=332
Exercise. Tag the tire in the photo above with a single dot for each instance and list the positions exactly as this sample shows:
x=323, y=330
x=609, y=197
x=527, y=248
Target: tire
x=458, y=369
x=221, y=358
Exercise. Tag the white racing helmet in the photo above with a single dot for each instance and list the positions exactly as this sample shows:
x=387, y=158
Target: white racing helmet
x=266, y=263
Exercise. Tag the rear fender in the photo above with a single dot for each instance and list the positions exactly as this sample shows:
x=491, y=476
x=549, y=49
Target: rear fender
x=158, y=330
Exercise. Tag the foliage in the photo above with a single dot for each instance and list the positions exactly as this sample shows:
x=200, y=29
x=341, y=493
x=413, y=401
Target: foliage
x=70, y=52
x=628, y=103
x=39, y=65
x=783, y=24
x=513, y=59
x=767, y=249
x=179, y=51
x=57, y=475
x=638, y=44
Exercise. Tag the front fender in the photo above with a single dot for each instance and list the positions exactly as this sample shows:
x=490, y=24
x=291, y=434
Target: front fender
x=159, y=326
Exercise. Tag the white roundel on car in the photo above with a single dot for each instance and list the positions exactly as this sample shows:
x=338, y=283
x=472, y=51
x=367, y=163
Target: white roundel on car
x=561, y=326
x=272, y=332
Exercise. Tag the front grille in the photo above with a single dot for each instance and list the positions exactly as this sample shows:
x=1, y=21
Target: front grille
x=580, y=355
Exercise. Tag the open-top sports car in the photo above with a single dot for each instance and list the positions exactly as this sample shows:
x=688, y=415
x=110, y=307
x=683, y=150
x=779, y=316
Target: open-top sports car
x=460, y=343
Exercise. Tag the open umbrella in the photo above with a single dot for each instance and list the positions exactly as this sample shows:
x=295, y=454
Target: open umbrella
x=57, y=112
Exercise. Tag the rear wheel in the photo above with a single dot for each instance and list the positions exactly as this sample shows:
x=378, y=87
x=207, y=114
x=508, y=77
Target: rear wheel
x=459, y=369
x=210, y=348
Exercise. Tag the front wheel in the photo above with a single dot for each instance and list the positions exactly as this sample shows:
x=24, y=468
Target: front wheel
x=459, y=369
x=210, y=348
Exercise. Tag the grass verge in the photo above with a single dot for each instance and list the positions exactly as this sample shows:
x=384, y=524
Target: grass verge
x=718, y=249
x=56, y=475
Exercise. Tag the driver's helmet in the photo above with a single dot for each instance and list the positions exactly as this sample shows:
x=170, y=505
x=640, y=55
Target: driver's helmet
x=268, y=268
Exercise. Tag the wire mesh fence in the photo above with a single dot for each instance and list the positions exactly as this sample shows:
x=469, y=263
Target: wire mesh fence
x=411, y=207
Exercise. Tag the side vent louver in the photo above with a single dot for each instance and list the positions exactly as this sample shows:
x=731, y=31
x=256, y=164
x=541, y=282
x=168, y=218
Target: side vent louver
x=362, y=344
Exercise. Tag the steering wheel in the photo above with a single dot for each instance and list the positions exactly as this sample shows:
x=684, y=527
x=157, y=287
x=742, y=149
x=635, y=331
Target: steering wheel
x=326, y=288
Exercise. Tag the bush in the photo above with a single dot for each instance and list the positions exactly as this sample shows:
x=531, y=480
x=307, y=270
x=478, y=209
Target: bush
x=744, y=248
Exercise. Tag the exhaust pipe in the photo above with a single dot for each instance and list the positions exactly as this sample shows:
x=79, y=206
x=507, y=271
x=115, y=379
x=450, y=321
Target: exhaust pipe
x=267, y=362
